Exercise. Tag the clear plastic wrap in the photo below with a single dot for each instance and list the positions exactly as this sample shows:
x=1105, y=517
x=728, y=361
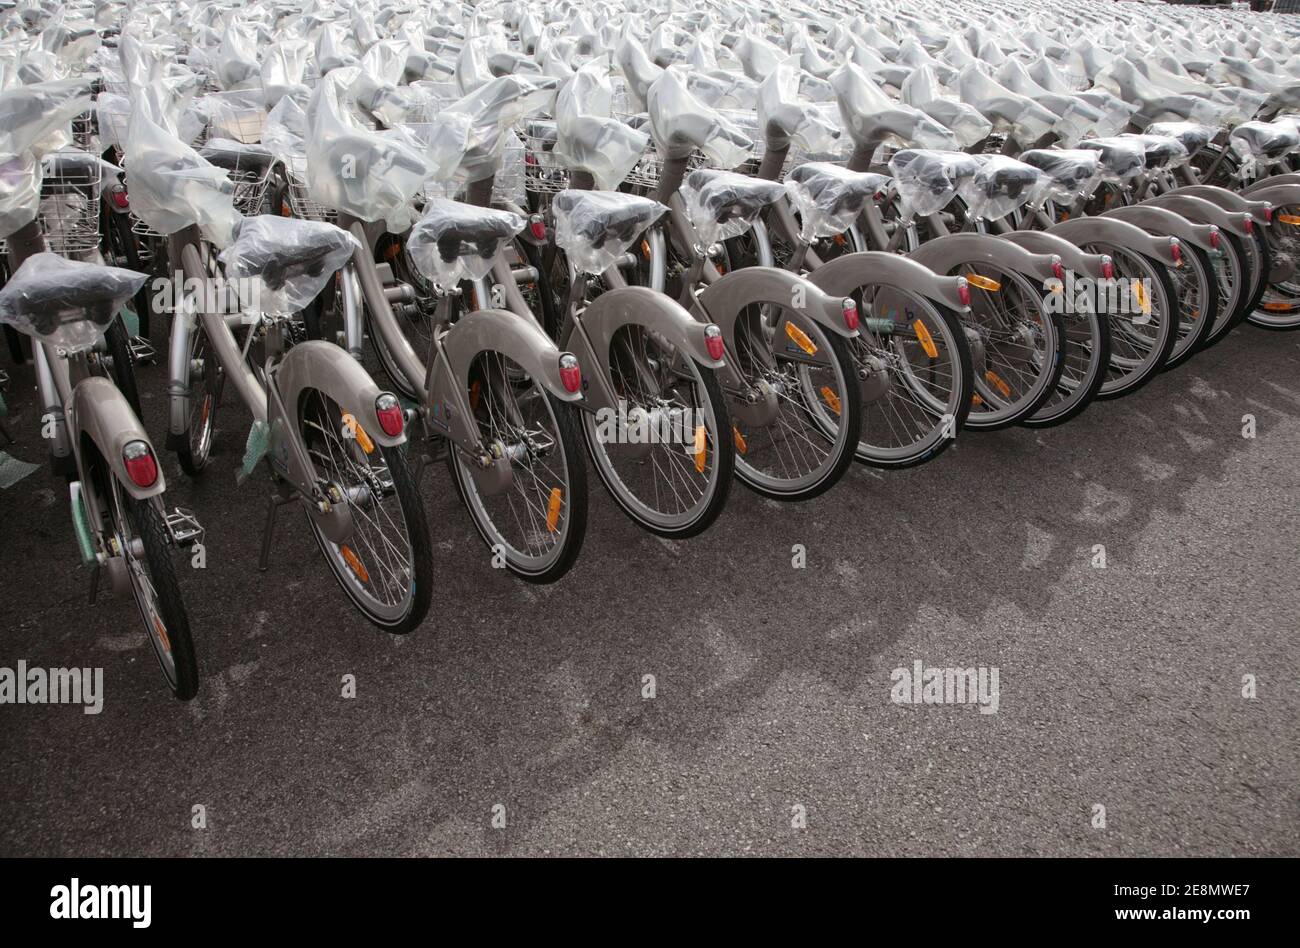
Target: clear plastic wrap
x=453, y=241
x=284, y=66
x=352, y=169
x=922, y=90
x=680, y=123
x=724, y=204
x=237, y=60
x=492, y=109
x=65, y=303
x=335, y=49
x=32, y=119
x=285, y=131
x=1000, y=185
x=588, y=138
x=595, y=228
x=1261, y=142
x=1192, y=135
x=172, y=186
x=784, y=121
x=872, y=117
x=928, y=180
x=639, y=72
x=1121, y=157
x=1070, y=173
x=1026, y=120
x=829, y=197
x=280, y=264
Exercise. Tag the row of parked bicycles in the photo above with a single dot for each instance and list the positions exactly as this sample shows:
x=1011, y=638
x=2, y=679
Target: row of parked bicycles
x=676, y=244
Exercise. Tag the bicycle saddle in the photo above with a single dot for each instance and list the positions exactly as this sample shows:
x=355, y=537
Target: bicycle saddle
x=236, y=156
x=1265, y=139
x=871, y=117
x=453, y=241
x=937, y=170
x=1121, y=156
x=49, y=296
x=280, y=249
x=1191, y=135
x=1070, y=170
x=835, y=190
x=596, y=227
x=681, y=123
x=727, y=197
x=1160, y=151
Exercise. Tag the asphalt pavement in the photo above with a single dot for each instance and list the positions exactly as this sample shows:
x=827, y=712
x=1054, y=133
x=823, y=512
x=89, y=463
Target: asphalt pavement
x=518, y=719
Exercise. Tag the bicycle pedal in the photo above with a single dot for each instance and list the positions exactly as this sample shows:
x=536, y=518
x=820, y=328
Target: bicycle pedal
x=184, y=528
x=142, y=350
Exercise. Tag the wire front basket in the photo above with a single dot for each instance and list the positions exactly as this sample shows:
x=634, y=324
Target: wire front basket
x=69, y=209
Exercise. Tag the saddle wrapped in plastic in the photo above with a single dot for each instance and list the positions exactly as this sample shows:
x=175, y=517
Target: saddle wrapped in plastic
x=173, y=187
x=1121, y=157
x=587, y=137
x=928, y=180
x=724, y=204
x=1071, y=173
x=829, y=198
x=453, y=241
x=681, y=123
x=352, y=169
x=1160, y=151
x=1022, y=117
x=1193, y=136
x=1256, y=142
x=1000, y=185
x=65, y=303
x=281, y=264
x=595, y=228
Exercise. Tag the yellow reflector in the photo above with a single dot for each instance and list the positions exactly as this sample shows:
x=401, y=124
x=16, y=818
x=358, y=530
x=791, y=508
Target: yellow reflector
x=553, y=510
x=976, y=401
x=1143, y=302
x=1288, y=219
x=645, y=249
x=983, y=282
x=1196, y=314
x=998, y=382
x=839, y=240
x=800, y=338
x=473, y=394
x=1065, y=216
x=739, y=438
x=351, y=425
x=1278, y=307
x=354, y=563
x=700, y=453
x=392, y=251
x=927, y=341
x=831, y=399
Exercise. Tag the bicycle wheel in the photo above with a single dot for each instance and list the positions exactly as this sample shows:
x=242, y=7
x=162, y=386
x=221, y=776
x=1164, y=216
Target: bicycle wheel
x=805, y=448
x=535, y=527
x=915, y=365
x=206, y=381
x=386, y=566
x=669, y=465
x=1018, y=348
x=1143, y=320
x=1279, y=305
x=121, y=364
x=1197, y=299
x=1229, y=266
x=141, y=538
x=1083, y=370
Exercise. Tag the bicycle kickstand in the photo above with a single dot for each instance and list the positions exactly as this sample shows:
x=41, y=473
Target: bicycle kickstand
x=275, y=503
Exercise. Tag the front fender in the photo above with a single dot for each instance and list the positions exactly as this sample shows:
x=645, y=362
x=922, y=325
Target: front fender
x=637, y=306
x=100, y=412
x=843, y=275
x=1161, y=220
x=1109, y=230
x=946, y=254
x=1037, y=241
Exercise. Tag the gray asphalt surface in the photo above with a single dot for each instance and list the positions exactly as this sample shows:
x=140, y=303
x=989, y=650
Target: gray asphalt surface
x=1118, y=686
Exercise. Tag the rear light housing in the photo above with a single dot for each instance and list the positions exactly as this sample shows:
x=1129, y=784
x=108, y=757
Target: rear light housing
x=537, y=227
x=1250, y=224
x=120, y=199
x=570, y=373
x=1268, y=213
x=963, y=291
x=714, y=343
x=389, y=412
x=1214, y=237
x=1176, y=251
x=1107, y=267
x=1058, y=268
x=850, y=309
x=141, y=466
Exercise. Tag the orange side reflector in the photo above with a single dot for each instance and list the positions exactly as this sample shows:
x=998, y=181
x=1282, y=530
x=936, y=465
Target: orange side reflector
x=162, y=634
x=839, y=240
x=392, y=251
x=800, y=338
x=354, y=563
x=645, y=249
x=1139, y=291
x=998, y=382
x=1287, y=219
x=927, y=341
x=701, y=455
x=353, y=427
x=739, y=438
x=473, y=394
x=983, y=282
x=831, y=399
x=976, y=401
x=553, y=510
x=1279, y=307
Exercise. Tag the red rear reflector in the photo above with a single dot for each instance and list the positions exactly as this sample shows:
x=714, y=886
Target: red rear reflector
x=1107, y=268
x=1250, y=224
x=570, y=373
x=963, y=292
x=1058, y=270
x=850, y=308
x=140, y=464
x=1214, y=237
x=537, y=228
x=1176, y=251
x=713, y=342
x=389, y=411
x=120, y=198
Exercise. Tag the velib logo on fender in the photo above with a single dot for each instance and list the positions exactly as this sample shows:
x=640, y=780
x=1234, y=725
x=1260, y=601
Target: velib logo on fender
x=103, y=901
